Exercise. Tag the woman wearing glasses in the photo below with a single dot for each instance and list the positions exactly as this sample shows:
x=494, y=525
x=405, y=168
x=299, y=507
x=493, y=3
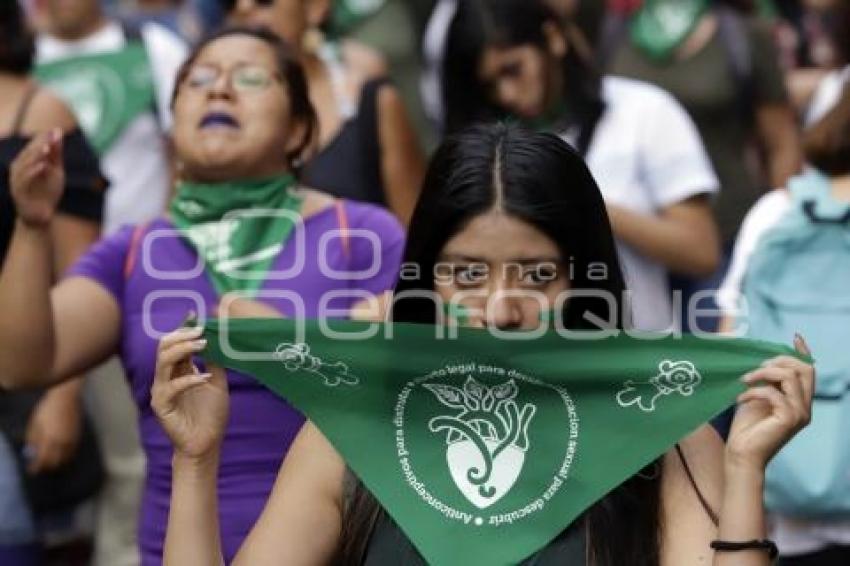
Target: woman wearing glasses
x=367, y=149
x=241, y=119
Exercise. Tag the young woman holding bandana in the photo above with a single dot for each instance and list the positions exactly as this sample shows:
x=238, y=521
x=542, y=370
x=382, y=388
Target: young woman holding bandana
x=242, y=117
x=493, y=196
x=367, y=149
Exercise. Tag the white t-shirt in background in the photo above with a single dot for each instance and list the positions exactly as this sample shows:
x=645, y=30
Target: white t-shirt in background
x=137, y=163
x=646, y=154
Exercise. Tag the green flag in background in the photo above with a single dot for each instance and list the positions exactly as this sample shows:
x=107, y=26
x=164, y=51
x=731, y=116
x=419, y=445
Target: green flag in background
x=483, y=449
x=107, y=91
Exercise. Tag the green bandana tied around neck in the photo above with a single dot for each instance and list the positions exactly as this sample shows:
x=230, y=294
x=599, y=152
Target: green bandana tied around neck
x=107, y=91
x=482, y=449
x=238, y=228
x=660, y=26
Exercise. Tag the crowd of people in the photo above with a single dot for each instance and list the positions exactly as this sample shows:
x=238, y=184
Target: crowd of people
x=168, y=159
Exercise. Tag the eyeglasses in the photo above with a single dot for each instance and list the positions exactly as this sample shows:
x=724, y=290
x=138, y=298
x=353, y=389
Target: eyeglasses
x=243, y=78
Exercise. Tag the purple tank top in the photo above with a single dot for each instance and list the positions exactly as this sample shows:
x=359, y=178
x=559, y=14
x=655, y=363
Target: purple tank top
x=261, y=427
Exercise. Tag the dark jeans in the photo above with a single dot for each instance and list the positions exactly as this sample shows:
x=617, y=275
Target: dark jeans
x=830, y=556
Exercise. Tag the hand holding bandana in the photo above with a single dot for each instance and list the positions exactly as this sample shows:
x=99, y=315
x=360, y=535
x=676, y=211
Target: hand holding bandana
x=484, y=449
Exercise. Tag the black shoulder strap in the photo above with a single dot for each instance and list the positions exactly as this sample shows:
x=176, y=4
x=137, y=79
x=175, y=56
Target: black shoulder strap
x=712, y=514
x=133, y=32
x=23, y=107
x=732, y=31
x=367, y=116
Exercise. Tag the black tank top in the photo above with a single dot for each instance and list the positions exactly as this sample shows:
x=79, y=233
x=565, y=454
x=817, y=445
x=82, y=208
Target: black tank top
x=84, y=184
x=389, y=545
x=350, y=165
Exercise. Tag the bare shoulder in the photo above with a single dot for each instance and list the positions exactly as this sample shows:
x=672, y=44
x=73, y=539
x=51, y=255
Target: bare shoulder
x=364, y=62
x=48, y=111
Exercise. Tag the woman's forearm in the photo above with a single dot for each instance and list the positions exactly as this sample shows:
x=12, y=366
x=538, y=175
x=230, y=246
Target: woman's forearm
x=687, y=245
x=27, y=322
x=742, y=515
x=193, y=537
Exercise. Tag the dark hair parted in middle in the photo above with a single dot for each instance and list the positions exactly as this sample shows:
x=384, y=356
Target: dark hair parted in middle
x=291, y=72
x=534, y=177
x=539, y=179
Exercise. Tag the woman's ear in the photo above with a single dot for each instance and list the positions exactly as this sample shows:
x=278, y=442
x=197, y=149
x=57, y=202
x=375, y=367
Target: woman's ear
x=555, y=40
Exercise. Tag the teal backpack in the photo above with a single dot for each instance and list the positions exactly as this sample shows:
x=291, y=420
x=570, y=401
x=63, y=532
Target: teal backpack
x=798, y=280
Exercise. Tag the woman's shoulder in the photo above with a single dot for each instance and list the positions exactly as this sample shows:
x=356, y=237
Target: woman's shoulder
x=353, y=214
x=47, y=111
x=363, y=62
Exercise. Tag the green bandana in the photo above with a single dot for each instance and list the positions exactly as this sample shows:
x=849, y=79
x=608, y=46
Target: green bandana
x=238, y=228
x=661, y=26
x=106, y=91
x=483, y=449
x=348, y=14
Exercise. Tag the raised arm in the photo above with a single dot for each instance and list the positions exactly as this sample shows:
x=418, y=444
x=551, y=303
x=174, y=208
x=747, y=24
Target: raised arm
x=682, y=237
x=731, y=478
x=301, y=522
x=402, y=162
x=45, y=335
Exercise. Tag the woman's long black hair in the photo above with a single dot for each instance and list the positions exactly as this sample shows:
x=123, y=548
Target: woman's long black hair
x=17, y=46
x=482, y=24
x=539, y=179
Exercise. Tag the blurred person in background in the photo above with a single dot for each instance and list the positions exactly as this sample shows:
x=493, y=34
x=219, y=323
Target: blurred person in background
x=118, y=80
x=49, y=461
x=391, y=28
x=175, y=15
x=829, y=89
x=810, y=44
x=723, y=68
x=242, y=120
x=366, y=147
x=640, y=145
x=790, y=268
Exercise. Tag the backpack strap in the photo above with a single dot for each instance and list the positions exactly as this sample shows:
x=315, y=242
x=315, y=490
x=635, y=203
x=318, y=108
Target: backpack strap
x=133, y=250
x=342, y=222
x=133, y=33
x=732, y=31
x=812, y=194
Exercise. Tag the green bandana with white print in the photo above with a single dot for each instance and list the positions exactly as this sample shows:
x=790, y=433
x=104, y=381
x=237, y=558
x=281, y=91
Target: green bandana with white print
x=483, y=449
